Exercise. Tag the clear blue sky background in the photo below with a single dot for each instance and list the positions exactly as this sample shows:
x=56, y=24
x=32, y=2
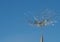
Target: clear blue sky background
x=13, y=25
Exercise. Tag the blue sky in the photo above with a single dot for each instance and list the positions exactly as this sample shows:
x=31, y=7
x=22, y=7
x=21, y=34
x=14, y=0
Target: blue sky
x=13, y=25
